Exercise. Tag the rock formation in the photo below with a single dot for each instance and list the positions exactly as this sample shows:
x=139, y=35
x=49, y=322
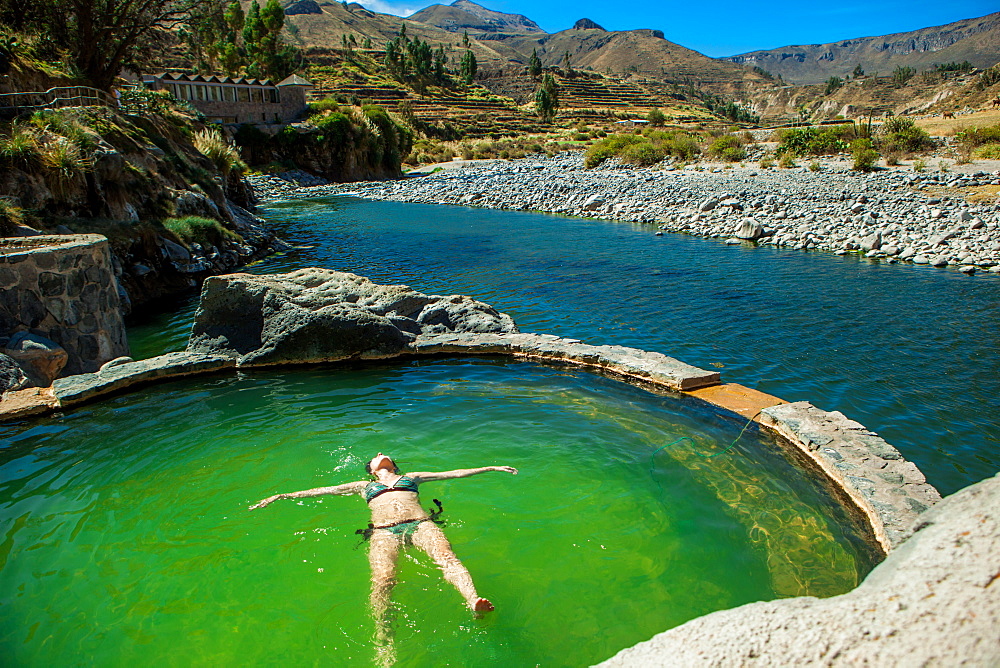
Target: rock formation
x=320, y=315
x=933, y=601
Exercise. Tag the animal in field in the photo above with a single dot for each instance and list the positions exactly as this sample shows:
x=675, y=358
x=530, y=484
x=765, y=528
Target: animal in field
x=996, y=102
x=949, y=114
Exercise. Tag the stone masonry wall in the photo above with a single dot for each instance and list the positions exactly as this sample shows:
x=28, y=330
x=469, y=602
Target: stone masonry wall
x=63, y=288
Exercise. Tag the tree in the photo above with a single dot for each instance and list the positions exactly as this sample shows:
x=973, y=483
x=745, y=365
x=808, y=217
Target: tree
x=440, y=60
x=547, y=98
x=534, y=64
x=833, y=83
x=858, y=71
x=468, y=67
x=901, y=75
x=567, y=66
x=100, y=37
x=465, y=40
x=656, y=117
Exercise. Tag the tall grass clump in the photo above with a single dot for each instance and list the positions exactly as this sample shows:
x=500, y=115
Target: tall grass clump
x=203, y=231
x=224, y=155
x=19, y=148
x=10, y=217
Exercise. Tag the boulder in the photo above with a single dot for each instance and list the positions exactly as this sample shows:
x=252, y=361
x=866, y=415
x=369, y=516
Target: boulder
x=320, y=315
x=932, y=602
x=872, y=241
x=593, y=203
x=40, y=358
x=749, y=229
x=11, y=375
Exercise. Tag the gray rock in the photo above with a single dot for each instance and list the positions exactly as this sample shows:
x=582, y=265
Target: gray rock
x=593, y=203
x=872, y=242
x=11, y=375
x=749, y=229
x=930, y=603
x=40, y=358
x=174, y=251
x=317, y=315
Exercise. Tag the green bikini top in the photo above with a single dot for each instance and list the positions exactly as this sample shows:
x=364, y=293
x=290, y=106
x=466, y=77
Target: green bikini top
x=374, y=488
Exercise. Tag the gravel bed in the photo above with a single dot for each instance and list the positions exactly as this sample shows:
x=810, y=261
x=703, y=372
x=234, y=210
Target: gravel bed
x=893, y=214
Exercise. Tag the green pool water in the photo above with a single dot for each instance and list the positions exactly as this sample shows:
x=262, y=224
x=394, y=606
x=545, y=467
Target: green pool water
x=126, y=537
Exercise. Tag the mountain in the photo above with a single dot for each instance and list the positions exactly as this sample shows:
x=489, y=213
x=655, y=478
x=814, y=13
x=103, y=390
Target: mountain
x=463, y=15
x=976, y=40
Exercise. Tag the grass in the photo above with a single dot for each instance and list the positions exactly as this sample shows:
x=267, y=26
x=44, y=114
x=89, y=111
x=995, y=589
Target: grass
x=217, y=148
x=10, y=217
x=203, y=231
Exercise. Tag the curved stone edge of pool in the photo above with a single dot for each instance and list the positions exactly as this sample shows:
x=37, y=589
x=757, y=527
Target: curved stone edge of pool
x=932, y=602
x=888, y=491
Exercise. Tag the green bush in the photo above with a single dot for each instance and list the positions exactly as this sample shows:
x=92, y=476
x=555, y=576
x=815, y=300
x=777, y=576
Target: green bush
x=644, y=154
x=683, y=147
x=899, y=134
x=609, y=147
x=203, y=231
x=728, y=148
x=988, y=152
x=786, y=161
x=656, y=117
x=324, y=105
x=974, y=137
x=864, y=154
x=814, y=141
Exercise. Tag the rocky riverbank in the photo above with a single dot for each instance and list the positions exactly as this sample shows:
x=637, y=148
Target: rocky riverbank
x=891, y=215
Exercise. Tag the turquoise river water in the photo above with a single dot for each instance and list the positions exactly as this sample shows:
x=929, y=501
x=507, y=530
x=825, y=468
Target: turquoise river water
x=125, y=531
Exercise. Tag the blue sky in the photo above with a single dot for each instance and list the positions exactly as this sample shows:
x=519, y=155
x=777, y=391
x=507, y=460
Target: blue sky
x=729, y=27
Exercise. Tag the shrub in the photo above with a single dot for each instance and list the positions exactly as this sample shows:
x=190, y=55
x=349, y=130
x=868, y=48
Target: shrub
x=786, y=161
x=864, y=154
x=729, y=148
x=683, y=147
x=974, y=137
x=988, y=152
x=656, y=117
x=900, y=134
x=203, y=231
x=609, y=147
x=63, y=159
x=919, y=165
x=766, y=162
x=217, y=148
x=643, y=154
x=814, y=166
x=326, y=104
x=814, y=141
x=892, y=158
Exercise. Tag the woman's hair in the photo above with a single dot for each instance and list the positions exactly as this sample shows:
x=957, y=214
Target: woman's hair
x=368, y=466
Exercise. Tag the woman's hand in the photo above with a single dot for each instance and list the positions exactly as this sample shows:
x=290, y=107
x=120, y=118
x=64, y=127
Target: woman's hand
x=504, y=469
x=267, y=501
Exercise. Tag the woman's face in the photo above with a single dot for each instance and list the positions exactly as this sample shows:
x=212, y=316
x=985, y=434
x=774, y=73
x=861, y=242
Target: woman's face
x=381, y=461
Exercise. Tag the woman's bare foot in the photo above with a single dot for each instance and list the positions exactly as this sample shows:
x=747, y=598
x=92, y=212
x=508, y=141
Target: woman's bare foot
x=482, y=605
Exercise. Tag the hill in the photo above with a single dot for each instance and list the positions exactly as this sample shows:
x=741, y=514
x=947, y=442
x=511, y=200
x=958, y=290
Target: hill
x=976, y=40
x=463, y=15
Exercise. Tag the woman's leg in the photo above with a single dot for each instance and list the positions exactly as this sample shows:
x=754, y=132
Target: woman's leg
x=383, y=552
x=432, y=540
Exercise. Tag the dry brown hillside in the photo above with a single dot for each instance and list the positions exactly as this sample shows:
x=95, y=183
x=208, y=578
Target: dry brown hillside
x=976, y=40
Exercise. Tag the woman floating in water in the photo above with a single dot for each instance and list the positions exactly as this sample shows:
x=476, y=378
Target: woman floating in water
x=398, y=520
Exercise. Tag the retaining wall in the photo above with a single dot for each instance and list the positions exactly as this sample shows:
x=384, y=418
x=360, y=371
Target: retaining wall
x=63, y=288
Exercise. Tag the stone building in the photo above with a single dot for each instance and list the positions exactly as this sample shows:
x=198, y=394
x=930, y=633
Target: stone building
x=236, y=100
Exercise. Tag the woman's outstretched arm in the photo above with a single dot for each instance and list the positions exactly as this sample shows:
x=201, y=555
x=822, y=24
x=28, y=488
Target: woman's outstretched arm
x=345, y=489
x=458, y=473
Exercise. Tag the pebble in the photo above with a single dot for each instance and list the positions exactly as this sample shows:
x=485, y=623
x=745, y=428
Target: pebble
x=880, y=215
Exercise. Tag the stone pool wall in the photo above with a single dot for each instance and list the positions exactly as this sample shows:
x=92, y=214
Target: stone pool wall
x=63, y=288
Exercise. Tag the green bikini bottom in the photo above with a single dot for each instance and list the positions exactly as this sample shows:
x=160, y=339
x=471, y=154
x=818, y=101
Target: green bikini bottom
x=405, y=529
